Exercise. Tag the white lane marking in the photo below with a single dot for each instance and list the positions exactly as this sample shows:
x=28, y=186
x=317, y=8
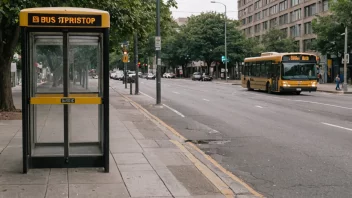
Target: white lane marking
x=323, y=104
x=259, y=106
x=174, y=110
x=319, y=103
x=214, y=131
x=337, y=126
x=175, y=92
x=206, y=100
x=147, y=95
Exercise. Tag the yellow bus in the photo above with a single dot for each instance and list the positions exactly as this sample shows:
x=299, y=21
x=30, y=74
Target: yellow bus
x=280, y=72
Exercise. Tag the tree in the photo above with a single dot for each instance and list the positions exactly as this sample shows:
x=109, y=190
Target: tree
x=205, y=37
x=329, y=39
x=276, y=41
x=126, y=17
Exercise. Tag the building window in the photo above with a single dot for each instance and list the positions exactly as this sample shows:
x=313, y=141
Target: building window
x=265, y=13
x=308, y=28
x=272, y=23
x=295, y=30
x=310, y=10
x=284, y=31
x=283, y=19
x=273, y=9
x=257, y=28
x=257, y=16
x=258, y=4
x=283, y=5
x=265, y=25
x=295, y=15
x=325, y=5
x=308, y=44
x=250, y=19
x=295, y=2
x=250, y=9
x=243, y=21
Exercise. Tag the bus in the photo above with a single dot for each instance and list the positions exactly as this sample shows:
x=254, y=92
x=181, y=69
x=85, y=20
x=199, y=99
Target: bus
x=280, y=72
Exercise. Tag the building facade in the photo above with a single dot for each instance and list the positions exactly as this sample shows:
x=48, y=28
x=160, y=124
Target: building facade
x=294, y=17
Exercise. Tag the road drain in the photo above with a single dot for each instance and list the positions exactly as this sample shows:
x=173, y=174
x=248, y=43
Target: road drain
x=208, y=141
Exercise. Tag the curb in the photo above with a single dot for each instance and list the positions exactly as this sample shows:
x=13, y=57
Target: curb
x=334, y=92
x=225, y=181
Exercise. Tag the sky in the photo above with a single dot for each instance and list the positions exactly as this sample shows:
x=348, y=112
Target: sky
x=195, y=7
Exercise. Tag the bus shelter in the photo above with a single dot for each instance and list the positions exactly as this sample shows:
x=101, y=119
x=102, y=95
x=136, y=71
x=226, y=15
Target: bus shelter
x=65, y=108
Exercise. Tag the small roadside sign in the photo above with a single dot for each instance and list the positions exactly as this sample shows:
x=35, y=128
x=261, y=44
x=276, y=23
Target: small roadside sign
x=125, y=58
x=157, y=43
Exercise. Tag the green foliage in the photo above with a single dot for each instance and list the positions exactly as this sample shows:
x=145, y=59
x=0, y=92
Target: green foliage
x=276, y=41
x=329, y=40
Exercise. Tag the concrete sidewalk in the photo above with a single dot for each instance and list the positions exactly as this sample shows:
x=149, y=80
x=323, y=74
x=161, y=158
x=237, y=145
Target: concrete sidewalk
x=330, y=88
x=147, y=160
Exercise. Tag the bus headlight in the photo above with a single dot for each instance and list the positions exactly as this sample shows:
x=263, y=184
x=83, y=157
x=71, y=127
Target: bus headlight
x=285, y=84
x=314, y=84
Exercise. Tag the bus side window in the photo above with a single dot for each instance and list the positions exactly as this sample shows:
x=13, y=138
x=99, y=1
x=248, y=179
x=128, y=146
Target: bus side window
x=269, y=69
x=249, y=69
x=263, y=71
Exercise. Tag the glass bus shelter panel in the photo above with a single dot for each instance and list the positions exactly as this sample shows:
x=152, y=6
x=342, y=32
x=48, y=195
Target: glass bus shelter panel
x=84, y=63
x=48, y=62
x=85, y=67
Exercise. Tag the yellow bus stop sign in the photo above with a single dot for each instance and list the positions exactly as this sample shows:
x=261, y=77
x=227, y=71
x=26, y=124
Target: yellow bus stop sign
x=125, y=58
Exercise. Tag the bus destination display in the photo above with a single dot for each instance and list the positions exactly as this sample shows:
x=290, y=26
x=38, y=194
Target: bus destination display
x=64, y=20
x=298, y=58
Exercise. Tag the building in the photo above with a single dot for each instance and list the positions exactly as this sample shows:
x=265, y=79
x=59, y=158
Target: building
x=294, y=17
x=181, y=21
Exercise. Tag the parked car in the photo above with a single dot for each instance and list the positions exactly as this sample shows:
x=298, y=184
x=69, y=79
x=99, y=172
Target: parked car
x=170, y=75
x=164, y=75
x=197, y=76
x=150, y=76
x=113, y=75
x=131, y=76
x=207, y=77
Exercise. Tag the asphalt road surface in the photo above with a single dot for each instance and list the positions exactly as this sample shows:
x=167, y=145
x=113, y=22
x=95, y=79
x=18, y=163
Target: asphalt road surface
x=281, y=145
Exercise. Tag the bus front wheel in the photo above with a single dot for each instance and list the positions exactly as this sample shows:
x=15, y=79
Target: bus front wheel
x=268, y=88
x=249, y=86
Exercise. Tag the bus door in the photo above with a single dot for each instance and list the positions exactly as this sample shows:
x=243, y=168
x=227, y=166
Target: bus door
x=275, y=76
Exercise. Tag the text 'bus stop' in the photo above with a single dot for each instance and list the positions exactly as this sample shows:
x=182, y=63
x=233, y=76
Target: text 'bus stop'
x=65, y=103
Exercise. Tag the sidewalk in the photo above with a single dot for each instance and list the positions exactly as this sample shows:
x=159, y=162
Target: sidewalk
x=147, y=160
x=330, y=88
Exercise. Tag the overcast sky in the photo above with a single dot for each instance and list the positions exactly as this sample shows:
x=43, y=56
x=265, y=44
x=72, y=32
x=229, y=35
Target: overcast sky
x=188, y=7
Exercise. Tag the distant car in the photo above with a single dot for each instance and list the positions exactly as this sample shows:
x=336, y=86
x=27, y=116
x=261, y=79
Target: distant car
x=150, y=76
x=207, y=77
x=197, y=76
x=165, y=74
x=95, y=76
x=131, y=76
x=170, y=75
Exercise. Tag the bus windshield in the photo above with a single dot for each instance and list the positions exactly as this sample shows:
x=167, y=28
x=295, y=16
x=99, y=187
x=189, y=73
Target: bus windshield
x=297, y=70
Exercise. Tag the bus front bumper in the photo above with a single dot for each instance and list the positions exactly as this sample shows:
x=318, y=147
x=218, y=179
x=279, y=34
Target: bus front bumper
x=293, y=89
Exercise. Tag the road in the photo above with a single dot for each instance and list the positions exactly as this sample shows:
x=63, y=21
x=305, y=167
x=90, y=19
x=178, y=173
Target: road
x=281, y=145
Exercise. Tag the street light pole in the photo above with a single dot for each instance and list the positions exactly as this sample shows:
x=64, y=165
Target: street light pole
x=226, y=58
x=158, y=61
x=345, y=64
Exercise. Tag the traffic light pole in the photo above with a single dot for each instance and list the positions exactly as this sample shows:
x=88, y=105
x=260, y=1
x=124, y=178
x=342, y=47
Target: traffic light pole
x=158, y=60
x=136, y=62
x=125, y=74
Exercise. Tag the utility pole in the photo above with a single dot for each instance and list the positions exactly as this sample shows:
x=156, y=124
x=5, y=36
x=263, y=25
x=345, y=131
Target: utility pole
x=346, y=57
x=226, y=58
x=158, y=49
x=136, y=62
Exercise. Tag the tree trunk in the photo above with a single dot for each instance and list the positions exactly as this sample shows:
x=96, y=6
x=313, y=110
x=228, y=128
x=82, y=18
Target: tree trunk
x=8, y=42
x=208, y=67
x=6, y=100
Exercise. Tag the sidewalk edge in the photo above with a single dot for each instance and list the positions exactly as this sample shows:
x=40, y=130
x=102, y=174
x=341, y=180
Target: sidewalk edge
x=196, y=149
